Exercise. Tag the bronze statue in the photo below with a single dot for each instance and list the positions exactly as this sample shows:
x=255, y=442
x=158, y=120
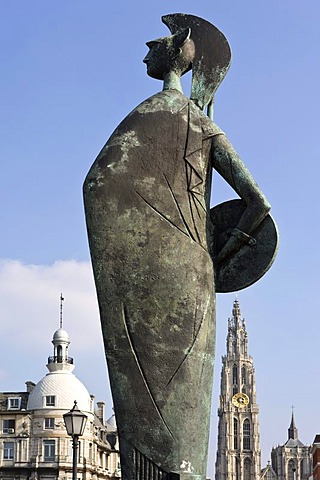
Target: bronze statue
x=155, y=247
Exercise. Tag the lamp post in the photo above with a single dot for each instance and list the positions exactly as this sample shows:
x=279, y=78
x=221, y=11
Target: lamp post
x=75, y=422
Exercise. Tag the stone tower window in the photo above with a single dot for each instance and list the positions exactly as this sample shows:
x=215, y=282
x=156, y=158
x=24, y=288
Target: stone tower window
x=247, y=469
x=235, y=375
x=246, y=435
x=244, y=375
x=235, y=434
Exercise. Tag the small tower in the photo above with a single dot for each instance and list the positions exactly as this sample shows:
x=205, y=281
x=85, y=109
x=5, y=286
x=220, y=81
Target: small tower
x=292, y=430
x=238, y=452
x=292, y=461
x=60, y=359
x=61, y=342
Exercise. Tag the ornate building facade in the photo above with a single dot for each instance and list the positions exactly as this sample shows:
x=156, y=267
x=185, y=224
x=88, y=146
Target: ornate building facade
x=34, y=443
x=238, y=449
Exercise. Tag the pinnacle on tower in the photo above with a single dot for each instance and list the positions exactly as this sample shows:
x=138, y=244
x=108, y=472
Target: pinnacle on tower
x=292, y=430
x=236, y=308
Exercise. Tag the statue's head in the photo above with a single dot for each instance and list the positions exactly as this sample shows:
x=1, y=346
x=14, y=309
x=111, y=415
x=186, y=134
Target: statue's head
x=174, y=53
x=212, y=54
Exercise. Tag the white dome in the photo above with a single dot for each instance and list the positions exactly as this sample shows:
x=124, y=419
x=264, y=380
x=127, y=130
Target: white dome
x=65, y=387
x=61, y=335
x=111, y=423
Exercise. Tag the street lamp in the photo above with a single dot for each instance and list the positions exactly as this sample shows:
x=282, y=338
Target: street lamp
x=75, y=422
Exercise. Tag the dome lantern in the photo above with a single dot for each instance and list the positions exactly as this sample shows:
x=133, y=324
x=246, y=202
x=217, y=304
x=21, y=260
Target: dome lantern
x=61, y=342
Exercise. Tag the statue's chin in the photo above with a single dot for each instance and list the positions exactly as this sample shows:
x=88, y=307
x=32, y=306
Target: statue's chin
x=155, y=74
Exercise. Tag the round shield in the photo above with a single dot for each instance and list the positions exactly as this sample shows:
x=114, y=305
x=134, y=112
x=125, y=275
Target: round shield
x=253, y=258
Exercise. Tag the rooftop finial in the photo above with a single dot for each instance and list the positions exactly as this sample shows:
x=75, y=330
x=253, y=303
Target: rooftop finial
x=292, y=430
x=61, y=300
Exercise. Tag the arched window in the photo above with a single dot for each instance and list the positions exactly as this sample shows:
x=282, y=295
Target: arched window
x=291, y=470
x=59, y=354
x=237, y=468
x=90, y=452
x=244, y=375
x=235, y=375
x=235, y=434
x=246, y=435
x=247, y=469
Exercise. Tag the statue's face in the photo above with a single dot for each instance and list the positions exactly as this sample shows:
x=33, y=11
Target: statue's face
x=160, y=58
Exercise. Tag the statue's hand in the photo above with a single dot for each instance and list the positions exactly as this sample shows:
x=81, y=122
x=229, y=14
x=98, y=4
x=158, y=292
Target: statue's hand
x=237, y=238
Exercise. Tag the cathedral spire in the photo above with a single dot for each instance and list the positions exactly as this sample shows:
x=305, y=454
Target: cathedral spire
x=292, y=430
x=237, y=339
x=238, y=452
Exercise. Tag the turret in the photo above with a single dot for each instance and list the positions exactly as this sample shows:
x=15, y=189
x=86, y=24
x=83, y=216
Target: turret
x=292, y=430
x=61, y=342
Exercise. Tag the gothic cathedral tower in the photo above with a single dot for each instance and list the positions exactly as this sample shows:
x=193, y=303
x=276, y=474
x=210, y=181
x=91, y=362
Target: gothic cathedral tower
x=238, y=451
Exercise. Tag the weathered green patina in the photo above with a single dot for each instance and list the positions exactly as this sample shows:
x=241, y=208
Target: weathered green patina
x=154, y=252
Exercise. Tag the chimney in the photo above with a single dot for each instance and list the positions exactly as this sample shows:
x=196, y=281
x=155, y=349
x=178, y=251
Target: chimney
x=30, y=386
x=100, y=411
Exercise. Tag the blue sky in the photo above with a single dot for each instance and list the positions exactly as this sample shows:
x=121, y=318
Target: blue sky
x=71, y=71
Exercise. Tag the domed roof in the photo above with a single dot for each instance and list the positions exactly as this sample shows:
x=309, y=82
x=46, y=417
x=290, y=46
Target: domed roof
x=65, y=387
x=61, y=335
x=111, y=423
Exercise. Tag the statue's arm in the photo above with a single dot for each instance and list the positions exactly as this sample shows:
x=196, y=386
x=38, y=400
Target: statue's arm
x=228, y=164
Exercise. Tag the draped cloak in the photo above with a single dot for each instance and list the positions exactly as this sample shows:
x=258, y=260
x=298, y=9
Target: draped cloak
x=146, y=201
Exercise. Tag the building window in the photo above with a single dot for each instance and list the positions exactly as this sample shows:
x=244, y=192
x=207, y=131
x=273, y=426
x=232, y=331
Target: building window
x=14, y=403
x=235, y=375
x=8, y=450
x=247, y=469
x=237, y=468
x=234, y=347
x=59, y=354
x=49, y=423
x=244, y=375
x=8, y=426
x=235, y=434
x=50, y=401
x=49, y=447
x=90, y=452
x=246, y=435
